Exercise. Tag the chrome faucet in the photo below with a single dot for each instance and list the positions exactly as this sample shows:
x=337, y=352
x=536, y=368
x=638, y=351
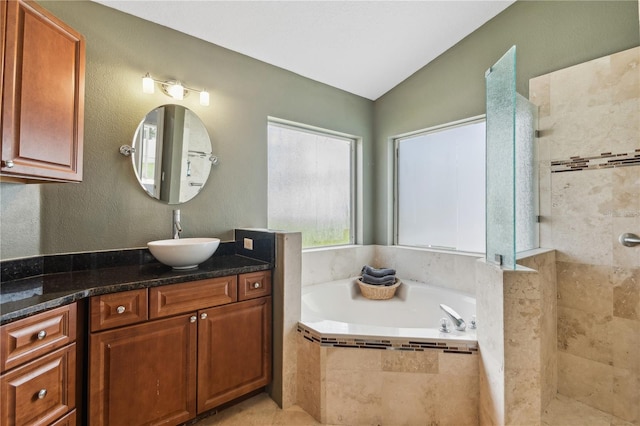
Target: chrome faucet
x=455, y=317
x=177, y=228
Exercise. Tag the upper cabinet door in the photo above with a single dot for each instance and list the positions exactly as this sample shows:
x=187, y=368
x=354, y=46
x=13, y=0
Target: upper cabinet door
x=42, y=95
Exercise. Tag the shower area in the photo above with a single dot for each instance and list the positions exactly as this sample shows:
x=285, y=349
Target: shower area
x=561, y=327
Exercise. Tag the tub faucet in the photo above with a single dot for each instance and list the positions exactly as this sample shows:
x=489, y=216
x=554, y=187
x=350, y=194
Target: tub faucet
x=177, y=228
x=455, y=317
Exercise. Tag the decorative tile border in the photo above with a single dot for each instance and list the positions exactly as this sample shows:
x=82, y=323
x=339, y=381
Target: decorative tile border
x=394, y=344
x=606, y=160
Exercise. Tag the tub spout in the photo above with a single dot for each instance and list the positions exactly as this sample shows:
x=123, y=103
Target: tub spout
x=455, y=317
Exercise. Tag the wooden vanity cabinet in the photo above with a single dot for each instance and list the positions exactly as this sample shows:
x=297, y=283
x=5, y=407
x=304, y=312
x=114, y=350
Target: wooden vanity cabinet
x=234, y=351
x=43, y=66
x=199, y=349
x=144, y=374
x=38, y=384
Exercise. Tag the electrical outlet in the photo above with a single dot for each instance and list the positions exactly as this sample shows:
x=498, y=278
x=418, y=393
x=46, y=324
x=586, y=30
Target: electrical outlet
x=248, y=243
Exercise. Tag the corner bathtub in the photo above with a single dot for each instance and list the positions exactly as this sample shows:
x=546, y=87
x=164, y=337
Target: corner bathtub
x=362, y=361
x=338, y=308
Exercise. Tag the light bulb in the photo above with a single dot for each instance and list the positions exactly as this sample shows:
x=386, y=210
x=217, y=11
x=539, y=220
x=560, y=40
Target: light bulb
x=204, y=98
x=176, y=91
x=147, y=84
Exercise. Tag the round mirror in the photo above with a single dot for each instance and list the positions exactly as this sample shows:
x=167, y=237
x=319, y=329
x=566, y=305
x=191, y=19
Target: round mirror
x=172, y=154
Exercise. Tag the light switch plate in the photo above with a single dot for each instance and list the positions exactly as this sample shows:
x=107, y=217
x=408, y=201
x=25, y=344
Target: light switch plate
x=248, y=243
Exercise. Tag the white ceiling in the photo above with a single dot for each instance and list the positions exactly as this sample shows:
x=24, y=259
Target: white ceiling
x=362, y=47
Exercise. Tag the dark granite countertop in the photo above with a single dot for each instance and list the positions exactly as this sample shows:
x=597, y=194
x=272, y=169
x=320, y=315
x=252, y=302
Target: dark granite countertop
x=32, y=285
x=28, y=296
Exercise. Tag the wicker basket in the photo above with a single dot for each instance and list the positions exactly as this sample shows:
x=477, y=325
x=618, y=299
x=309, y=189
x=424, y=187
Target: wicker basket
x=378, y=292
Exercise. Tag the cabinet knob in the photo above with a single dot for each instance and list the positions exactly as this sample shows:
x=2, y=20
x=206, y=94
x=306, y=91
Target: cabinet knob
x=193, y=318
x=203, y=316
x=42, y=334
x=42, y=393
x=256, y=285
x=8, y=164
x=120, y=309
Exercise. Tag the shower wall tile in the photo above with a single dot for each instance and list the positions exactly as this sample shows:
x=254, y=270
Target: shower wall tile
x=626, y=395
x=585, y=334
x=545, y=264
x=625, y=352
x=626, y=191
x=583, y=239
x=626, y=293
x=625, y=256
x=586, y=287
x=585, y=380
x=522, y=392
x=582, y=193
x=539, y=93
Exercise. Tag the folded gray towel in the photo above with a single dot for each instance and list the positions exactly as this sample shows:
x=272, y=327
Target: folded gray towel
x=386, y=280
x=378, y=273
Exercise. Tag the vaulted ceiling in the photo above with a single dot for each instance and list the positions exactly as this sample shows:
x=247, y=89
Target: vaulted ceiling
x=362, y=47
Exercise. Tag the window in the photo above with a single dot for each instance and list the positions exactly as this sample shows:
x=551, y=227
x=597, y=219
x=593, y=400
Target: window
x=440, y=187
x=311, y=184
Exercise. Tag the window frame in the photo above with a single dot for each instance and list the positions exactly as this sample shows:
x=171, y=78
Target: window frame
x=355, y=175
x=395, y=184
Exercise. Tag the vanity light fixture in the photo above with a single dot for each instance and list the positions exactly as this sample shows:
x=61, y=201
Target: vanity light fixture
x=173, y=89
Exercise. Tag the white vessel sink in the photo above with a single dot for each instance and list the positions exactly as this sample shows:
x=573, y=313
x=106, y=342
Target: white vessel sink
x=183, y=253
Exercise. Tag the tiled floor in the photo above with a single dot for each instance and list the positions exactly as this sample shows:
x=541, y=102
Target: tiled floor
x=563, y=411
x=261, y=410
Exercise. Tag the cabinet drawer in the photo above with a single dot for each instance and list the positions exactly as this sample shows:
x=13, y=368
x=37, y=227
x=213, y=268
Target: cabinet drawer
x=191, y=296
x=41, y=391
x=253, y=285
x=68, y=420
x=118, y=309
x=28, y=338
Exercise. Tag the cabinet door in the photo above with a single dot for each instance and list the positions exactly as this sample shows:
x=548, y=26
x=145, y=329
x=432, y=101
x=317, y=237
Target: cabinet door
x=42, y=96
x=41, y=391
x=143, y=374
x=234, y=351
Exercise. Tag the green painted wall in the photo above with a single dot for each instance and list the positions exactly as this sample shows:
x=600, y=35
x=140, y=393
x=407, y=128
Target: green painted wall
x=108, y=209
x=549, y=35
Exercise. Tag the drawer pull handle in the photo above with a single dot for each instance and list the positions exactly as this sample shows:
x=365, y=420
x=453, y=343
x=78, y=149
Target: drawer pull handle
x=42, y=334
x=120, y=309
x=42, y=393
x=193, y=318
x=203, y=316
x=256, y=285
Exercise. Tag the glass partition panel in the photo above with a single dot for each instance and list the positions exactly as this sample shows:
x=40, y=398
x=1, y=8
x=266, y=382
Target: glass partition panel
x=512, y=189
x=526, y=173
x=501, y=100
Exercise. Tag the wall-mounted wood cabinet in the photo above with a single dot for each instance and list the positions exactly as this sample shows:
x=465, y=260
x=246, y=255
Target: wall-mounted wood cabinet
x=42, y=91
